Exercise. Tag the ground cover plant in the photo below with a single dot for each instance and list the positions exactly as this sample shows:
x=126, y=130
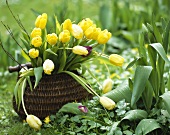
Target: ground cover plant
x=140, y=88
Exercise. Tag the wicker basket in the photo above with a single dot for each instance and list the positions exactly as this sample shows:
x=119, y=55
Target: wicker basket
x=50, y=95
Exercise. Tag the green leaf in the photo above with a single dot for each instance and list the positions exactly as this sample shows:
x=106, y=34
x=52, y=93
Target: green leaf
x=159, y=48
x=95, y=120
x=29, y=82
x=16, y=89
x=145, y=126
x=132, y=63
x=147, y=96
x=105, y=16
x=38, y=75
x=166, y=37
x=166, y=100
x=142, y=74
x=62, y=61
x=156, y=31
x=79, y=79
x=26, y=56
x=21, y=88
x=71, y=108
x=137, y=114
x=121, y=92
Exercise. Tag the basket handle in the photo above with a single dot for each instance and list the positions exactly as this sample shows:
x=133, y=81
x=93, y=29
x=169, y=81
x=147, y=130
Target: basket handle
x=18, y=67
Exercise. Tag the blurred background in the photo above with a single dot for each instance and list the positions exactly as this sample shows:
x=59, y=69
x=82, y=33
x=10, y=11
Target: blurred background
x=123, y=18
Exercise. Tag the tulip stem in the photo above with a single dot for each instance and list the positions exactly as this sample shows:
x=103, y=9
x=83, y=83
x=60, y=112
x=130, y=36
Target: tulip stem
x=107, y=69
x=23, y=96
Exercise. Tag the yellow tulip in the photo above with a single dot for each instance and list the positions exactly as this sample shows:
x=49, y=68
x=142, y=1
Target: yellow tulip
x=34, y=122
x=41, y=21
x=48, y=66
x=36, y=32
x=52, y=38
x=33, y=53
x=85, y=24
x=64, y=36
x=36, y=41
x=89, y=32
x=80, y=50
x=67, y=25
x=107, y=103
x=95, y=34
x=116, y=59
x=77, y=32
x=107, y=85
x=103, y=37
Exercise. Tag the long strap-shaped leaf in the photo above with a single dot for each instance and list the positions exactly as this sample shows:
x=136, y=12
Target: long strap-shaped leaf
x=142, y=74
x=159, y=48
x=166, y=100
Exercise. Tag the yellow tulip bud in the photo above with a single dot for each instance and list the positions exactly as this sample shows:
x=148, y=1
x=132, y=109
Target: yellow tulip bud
x=67, y=25
x=33, y=53
x=107, y=85
x=116, y=59
x=48, y=66
x=89, y=32
x=52, y=38
x=64, y=36
x=80, y=50
x=36, y=41
x=107, y=103
x=41, y=21
x=95, y=34
x=34, y=122
x=77, y=32
x=103, y=37
x=85, y=24
x=36, y=32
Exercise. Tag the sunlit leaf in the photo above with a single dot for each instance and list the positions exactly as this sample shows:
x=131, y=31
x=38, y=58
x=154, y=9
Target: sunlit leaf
x=38, y=75
x=142, y=74
x=146, y=126
x=137, y=114
x=166, y=100
x=121, y=92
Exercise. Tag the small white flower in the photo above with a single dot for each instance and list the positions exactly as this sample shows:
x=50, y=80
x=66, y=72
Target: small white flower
x=48, y=66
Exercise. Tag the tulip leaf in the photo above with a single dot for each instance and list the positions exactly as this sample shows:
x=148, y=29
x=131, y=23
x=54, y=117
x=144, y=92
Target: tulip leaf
x=132, y=63
x=62, y=61
x=38, y=75
x=17, y=87
x=142, y=74
x=71, y=108
x=105, y=16
x=79, y=79
x=166, y=100
x=146, y=126
x=21, y=90
x=159, y=48
x=137, y=114
x=26, y=56
x=29, y=82
x=121, y=92
x=147, y=96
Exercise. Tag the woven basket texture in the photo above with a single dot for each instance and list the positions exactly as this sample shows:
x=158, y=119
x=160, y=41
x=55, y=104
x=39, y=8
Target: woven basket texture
x=50, y=95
